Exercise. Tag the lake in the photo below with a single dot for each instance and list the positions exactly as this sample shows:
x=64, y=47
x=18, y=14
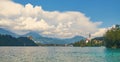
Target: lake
x=59, y=54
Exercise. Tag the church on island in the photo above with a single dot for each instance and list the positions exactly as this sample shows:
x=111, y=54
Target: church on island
x=88, y=39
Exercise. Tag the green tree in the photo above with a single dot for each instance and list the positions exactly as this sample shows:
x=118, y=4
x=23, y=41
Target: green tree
x=112, y=38
x=80, y=43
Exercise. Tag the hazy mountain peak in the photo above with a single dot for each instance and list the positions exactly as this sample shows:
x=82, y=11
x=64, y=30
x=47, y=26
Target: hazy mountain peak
x=33, y=34
x=7, y=32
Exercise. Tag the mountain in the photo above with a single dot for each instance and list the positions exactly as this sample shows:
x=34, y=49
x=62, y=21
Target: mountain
x=6, y=32
x=44, y=40
x=48, y=40
x=33, y=34
x=74, y=39
x=8, y=40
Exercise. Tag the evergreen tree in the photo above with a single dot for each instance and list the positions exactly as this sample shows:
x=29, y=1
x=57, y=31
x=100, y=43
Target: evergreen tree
x=112, y=38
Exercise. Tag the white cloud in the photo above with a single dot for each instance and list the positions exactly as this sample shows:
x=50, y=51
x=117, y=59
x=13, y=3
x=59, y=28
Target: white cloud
x=26, y=18
x=100, y=32
x=32, y=24
x=8, y=8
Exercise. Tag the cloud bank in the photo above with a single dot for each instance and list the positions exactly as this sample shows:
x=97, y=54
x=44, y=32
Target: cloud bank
x=22, y=19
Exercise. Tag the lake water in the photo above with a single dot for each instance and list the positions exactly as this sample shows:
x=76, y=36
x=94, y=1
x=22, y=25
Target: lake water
x=59, y=54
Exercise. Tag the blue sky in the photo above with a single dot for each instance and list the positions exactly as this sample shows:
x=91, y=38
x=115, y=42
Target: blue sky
x=59, y=18
x=107, y=11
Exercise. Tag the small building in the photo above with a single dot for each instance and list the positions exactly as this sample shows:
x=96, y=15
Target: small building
x=88, y=39
x=117, y=26
x=30, y=37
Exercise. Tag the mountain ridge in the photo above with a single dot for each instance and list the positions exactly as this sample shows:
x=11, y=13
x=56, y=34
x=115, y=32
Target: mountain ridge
x=7, y=32
x=49, y=40
x=44, y=40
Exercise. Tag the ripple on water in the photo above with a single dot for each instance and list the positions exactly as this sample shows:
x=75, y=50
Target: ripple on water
x=59, y=54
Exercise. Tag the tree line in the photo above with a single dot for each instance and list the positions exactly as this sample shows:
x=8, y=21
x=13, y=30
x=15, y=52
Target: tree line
x=8, y=40
x=111, y=39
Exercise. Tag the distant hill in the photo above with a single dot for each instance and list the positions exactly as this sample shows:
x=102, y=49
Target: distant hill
x=8, y=40
x=98, y=38
x=6, y=32
x=26, y=41
x=48, y=40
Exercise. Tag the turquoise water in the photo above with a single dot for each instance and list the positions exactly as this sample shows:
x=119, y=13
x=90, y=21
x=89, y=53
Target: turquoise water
x=59, y=54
